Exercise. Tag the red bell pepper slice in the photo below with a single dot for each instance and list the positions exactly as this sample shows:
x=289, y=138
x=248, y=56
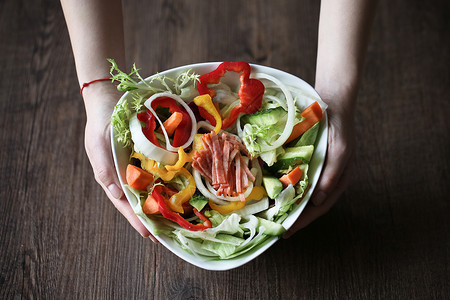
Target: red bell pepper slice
x=207, y=116
x=250, y=92
x=176, y=217
x=149, y=129
x=183, y=131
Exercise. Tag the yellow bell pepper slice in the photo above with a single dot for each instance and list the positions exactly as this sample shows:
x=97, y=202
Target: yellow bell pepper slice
x=183, y=158
x=176, y=201
x=205, y=102
x=152, y=166
x=226, y=209
x=196, y=145
x=256, y=194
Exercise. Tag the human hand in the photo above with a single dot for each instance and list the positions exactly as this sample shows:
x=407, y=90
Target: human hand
x=336, y=171
x=99, y=101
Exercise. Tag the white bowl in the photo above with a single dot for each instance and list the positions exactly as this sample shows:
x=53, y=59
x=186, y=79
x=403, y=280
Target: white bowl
x=121, y=159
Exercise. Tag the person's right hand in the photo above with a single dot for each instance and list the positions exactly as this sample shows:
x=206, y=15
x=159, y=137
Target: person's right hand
x=100, y=99
x=336, y=171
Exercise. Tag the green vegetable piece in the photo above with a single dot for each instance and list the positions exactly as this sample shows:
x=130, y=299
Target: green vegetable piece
x=198, y=201
x=309, y=137
x=272, y=228
x=272, y=185
x=292, y=157
x=223, y=250
x=265, y=117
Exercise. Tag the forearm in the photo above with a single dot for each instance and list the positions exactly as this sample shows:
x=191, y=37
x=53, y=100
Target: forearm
x=96, y=33
x=344, y=28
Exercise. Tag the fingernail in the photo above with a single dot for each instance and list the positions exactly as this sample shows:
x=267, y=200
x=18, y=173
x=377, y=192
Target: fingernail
x=154, y=240
x=319, y=198
x=115, y=191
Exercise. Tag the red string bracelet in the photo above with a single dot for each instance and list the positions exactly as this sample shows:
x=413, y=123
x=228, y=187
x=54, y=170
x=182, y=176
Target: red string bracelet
x=90, y=82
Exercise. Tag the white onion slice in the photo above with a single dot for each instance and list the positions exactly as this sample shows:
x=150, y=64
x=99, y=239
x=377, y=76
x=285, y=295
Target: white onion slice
x=253, y=207
x=256, y=171
x=251, y=226
x=237, y=198
x=205, y=192
x=206, y=125
x=311, y=97
x=279, y=101
x=291, y=113
x=143, y=146
x=188, y=110
x=238, y=127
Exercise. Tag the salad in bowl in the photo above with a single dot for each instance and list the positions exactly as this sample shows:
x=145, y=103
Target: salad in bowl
x=217, y=159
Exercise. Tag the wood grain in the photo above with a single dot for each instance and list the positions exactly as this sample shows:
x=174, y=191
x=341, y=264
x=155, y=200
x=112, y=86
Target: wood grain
x=388, y=237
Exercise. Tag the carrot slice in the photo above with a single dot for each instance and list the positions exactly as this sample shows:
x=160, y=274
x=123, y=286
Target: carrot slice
x=172, y=123
x=138, y=178
x=312, y=115
x=292, y=177
x=150, y=206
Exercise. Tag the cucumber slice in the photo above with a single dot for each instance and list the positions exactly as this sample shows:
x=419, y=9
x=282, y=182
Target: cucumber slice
x=272, y=185
x=292, y=157
x=265, y=117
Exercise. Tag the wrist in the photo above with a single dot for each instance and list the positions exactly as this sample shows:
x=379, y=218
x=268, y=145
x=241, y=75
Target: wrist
x=100, y=98
x=86, y=84
x=340, y=96
x=99, y=89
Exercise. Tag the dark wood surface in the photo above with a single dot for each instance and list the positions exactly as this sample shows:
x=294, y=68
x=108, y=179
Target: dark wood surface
x=387, y=238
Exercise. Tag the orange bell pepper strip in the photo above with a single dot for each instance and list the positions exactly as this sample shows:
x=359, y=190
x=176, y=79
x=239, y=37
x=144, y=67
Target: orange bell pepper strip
x=292, y=177
x=312, y=115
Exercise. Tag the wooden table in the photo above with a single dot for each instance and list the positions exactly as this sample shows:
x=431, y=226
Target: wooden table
x=388, y=237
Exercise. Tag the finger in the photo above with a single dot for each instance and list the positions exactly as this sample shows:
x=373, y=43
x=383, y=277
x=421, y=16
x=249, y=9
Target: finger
x=100, y=156
x=101, y=159
x=338, y=156
x=312, y=212
x=153, y=239
x=108, y=180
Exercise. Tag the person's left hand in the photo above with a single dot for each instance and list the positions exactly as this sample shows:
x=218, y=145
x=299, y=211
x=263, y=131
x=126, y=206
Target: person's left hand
x=99, y=102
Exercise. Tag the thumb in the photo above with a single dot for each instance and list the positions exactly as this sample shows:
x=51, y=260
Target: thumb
x=100, y=156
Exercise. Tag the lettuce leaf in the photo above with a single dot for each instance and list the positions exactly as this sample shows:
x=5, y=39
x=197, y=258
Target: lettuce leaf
x=198, y=200
x=120, y=121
